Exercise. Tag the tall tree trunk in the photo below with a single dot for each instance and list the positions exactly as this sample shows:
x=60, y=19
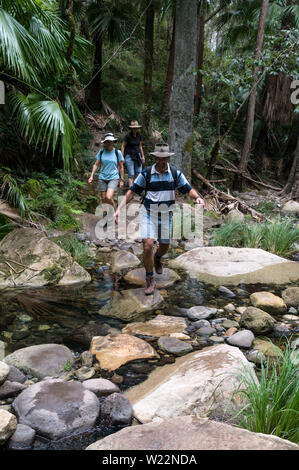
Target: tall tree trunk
x=148, y=64
x=94, y=89
x=182, y=98
x=70, y=15
x=252, y=98
x=200, y=55
x=169, y=78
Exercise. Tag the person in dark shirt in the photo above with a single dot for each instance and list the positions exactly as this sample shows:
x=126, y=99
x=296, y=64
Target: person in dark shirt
x=133, y=152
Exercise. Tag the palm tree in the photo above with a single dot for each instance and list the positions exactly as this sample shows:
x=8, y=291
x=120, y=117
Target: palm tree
x=113, y=20
x=33, y=43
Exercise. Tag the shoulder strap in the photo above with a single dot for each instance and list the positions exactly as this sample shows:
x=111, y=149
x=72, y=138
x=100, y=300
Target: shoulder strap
x=116, y=154
x=148, y=177
x=101, y=153
x=174, y=172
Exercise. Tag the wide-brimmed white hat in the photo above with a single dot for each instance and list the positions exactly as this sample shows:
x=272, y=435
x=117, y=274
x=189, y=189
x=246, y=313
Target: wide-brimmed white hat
x=108, y=137
x=161, y=151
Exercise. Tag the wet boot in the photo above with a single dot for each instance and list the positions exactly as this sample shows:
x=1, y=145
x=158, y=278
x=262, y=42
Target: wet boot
x=158, y=264
x=150, y=285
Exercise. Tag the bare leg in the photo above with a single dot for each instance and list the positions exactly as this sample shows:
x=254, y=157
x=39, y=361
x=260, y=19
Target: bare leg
x=109, y=197
x=148, y=254
x=162, y=249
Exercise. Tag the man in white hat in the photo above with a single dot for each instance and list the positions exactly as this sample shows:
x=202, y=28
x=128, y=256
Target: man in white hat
x=111, y=164
x=159, y=182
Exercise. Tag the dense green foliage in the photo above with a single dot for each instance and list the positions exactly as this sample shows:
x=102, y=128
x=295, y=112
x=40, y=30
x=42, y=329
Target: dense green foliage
x=272, y=403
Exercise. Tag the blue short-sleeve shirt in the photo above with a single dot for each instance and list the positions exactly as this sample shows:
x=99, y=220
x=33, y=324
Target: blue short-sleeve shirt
x=109, y=168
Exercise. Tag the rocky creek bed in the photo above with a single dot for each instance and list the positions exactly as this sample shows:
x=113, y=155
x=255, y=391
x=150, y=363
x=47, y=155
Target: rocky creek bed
x=97, y=357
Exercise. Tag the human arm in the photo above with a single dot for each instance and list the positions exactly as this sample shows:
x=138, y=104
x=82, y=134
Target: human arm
x=128, y=197
x=197, y=199
x=141, y=152
x=122, y=174
x=123, y=145
x=94, y=169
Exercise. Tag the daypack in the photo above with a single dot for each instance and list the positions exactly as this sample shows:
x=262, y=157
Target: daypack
x=148, y=169
x=116, y=154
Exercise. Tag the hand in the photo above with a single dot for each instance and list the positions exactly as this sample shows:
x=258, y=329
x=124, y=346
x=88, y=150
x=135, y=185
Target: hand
x=90, y=180
x=143, y=160
x=199, y=201
x=121, y=184
x=116, y=217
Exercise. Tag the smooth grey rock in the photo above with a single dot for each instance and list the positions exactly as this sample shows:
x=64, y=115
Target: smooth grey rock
x=291, y=296
x=55, y=408
x=256, y=356
x=101, y=387
x=42, y=360
x=181, y=433
x=15, y=375
x=281, y=331
x=230, y=324
x=10, y=389
x=174, y=346
x=116, y=409
x=205, y=331
x=225, y=292
x=201, y=313
x=229, y=308
x=216, y=339
x=198, y=324
x=242, y=339
x=22, y=438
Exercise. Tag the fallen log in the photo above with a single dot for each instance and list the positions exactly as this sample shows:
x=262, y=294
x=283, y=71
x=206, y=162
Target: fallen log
x=218, y=167
x=227, y=197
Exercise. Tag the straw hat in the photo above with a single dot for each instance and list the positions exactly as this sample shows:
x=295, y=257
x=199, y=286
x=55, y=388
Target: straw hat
x=134, y=125
x=108, y=137
x=161, y=151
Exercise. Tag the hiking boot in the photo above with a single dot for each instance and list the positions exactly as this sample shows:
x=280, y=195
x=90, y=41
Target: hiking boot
x=158, y=265
x=150, y=285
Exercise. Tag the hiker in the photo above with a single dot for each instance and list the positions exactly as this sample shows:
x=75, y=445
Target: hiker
x=111, y=164
x=159, y=182
x=132, y=150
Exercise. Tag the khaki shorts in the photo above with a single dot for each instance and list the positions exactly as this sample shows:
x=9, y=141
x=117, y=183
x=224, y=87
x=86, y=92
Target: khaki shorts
x=103, y=185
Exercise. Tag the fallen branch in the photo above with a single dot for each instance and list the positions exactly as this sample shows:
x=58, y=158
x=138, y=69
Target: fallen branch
x=226, y=197
x=218, y=167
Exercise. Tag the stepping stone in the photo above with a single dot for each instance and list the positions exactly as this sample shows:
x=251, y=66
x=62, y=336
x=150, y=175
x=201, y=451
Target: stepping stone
x=161, y=325
x=220, y=265
x=54, y=408
x=174, y=346
x=123, y=260
x=132, y=304
x=242, y=339
x=166, y=279
x=268, y=302
x=112, y=351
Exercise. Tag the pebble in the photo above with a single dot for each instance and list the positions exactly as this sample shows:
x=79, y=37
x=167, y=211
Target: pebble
x=292, y=311
x=85, y=373
x=201, y=312
x=241, y=310
x=255, y=356
x=295, y=344
x=216, y=339
x=230, y=332
x=229, y=308
x=226, y=292
x=86, y=359
x=230, y=324
x=281, y=331
x=22, y=438
x=289, y=317
x=206, y=331
x=242, y=339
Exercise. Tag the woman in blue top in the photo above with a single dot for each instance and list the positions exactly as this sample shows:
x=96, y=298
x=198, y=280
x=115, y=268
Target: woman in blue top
x=111, y=164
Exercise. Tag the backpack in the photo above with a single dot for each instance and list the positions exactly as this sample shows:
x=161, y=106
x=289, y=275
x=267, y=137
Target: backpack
x=174, y=172
x=116, y=154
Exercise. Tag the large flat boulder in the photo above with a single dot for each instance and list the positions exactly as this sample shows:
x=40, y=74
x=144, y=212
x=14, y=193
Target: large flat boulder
x=42, y=360
x=123, y=259
x=195, y=384
x=132, y=304
x=161, y=325
x=112, y=351
x=190, y=433
x=221, y=265
x=29, y=258
x=54, y=408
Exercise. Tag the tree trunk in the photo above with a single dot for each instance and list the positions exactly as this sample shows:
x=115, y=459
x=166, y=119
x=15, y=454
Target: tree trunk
x=148, y=65
x=94, y=89
x=182, y=98
x=70, y=15
x=292, y=186
x=200, y=55
x=169, y=79
x=252, y=98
